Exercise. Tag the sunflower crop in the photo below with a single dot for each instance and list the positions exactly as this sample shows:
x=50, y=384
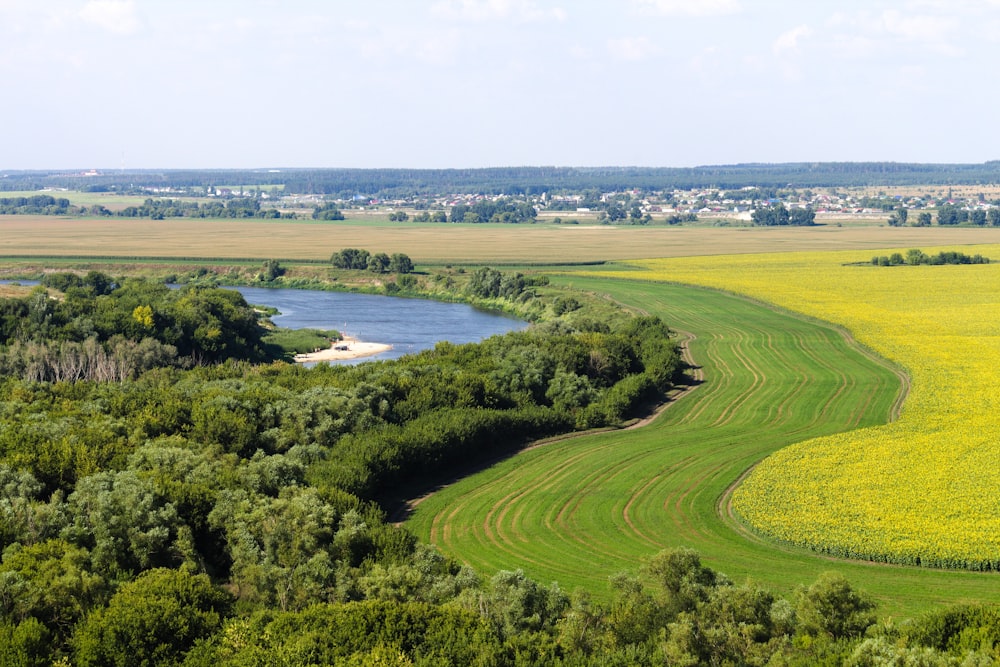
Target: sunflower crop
x=924, y=489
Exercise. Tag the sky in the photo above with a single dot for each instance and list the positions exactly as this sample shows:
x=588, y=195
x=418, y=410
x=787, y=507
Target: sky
x=171, y=84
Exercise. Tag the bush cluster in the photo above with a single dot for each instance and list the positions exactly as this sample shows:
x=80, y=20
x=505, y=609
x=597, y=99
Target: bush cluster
x=916, y=257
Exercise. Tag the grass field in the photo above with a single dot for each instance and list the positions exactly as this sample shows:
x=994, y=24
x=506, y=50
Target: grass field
x=923, y=490
x=42, y=236
x=112, y=202
x=578, y=510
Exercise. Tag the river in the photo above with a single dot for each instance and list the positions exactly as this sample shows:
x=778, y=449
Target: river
x=409, y=325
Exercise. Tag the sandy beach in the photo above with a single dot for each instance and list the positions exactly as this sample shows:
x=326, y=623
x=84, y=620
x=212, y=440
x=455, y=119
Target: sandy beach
x=349, y=348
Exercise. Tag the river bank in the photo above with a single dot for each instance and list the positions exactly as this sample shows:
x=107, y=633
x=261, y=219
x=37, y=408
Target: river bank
x=341, y=350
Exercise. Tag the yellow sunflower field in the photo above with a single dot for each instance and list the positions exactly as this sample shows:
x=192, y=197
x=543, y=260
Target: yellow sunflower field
x=924, y=489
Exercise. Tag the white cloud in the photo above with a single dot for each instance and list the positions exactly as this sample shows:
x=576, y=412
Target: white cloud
x=953, y=6
x=789, y=41
x=632, y=49
x=117, y=16
x=491, y=10
x=868, y=34
x=689, y=7
x=920, y=28
x=395, y=45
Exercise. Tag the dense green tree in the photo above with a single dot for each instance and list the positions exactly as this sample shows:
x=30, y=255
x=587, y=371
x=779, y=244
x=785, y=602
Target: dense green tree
x=50, y=581
x=152, y=621
x=898, y=218
x=400, y=263
x=614, y=212
x=25, y=644
x=772, y=215
x=831, y=606
x=272, y=270
x=284, y=549
x=634, y=616
x=513, y=604
x=959, y=630
x=352, y=633
x=328, y=211
x=242, y=207
x=137, y=325
x=424, y=576
x=378, y=262
x=734, y=625
x=805, y=217
x=126, y=524
x=211, y=325
x=485, y=282
x=568, y=391
x=949, y=214
x=684, y=581
x=20, y=519
x=350, y=258
x=61, y=281
x=915, y=256
x=37, y=205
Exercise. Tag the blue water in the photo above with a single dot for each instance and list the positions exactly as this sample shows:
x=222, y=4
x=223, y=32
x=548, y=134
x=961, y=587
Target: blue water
x=409, y=325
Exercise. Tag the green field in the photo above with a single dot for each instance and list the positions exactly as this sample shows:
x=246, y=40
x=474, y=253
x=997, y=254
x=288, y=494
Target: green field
x=111, y=201
x=576, y=511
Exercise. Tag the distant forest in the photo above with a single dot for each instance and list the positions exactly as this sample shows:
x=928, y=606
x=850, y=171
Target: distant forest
x=518, y=180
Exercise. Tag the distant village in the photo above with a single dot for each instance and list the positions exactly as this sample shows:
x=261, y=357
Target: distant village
x=890, y=204
x=704, y=204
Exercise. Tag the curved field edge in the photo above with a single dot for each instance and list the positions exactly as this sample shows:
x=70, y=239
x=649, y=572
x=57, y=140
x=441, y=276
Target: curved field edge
x=922, y=490
x=578, y=510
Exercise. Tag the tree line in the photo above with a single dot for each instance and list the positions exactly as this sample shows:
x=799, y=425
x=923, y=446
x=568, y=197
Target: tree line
x=159, y=209
x=97, y=327
x=777, y=214
x=496, y=211
x=346, y=183
x=949, y=214
x=916, y=257
x=362, y=260
x=155, y=209
x=36, y=205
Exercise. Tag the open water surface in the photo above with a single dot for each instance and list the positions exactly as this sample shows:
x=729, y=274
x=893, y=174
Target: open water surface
x=409, y=325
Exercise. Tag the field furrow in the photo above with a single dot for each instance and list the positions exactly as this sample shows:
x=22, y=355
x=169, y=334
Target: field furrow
x=634, y=492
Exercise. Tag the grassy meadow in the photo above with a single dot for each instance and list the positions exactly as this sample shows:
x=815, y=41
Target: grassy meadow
x=922, y=490
x=576, y=511
x=112, y=202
